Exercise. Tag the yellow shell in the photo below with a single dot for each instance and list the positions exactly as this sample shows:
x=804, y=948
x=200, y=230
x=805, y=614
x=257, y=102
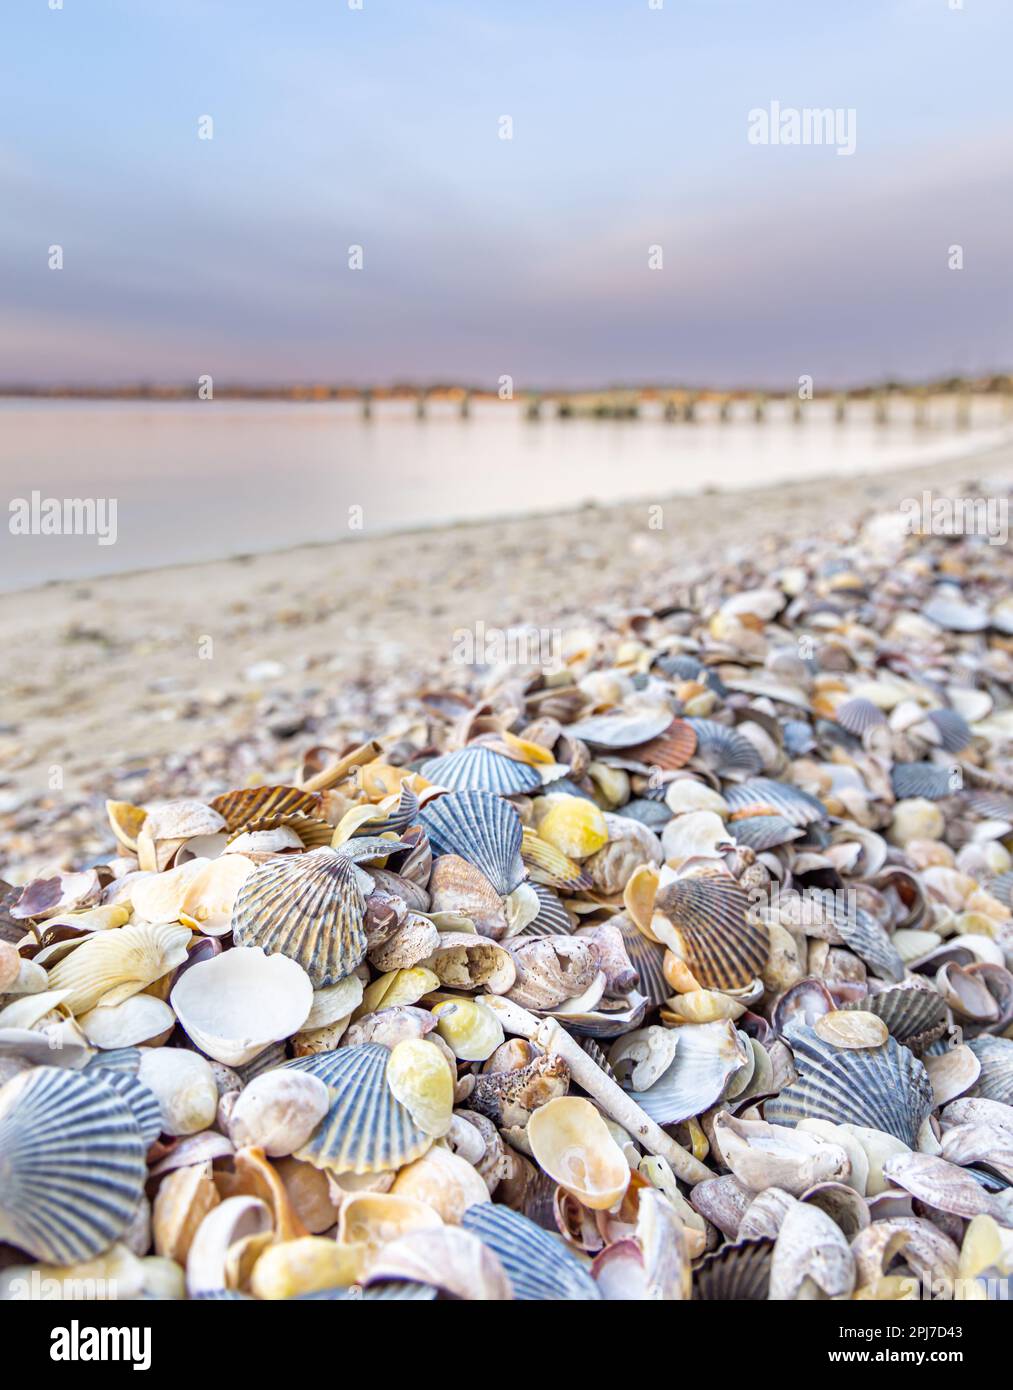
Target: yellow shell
x=307, y=1265
x=112, y=965
x=374, y=1219
x=574, y=826
x=702, y=1006
x=572, y=1143
x=470, y=1028
x=397, y=987
x=419, y=1076
x=443, y=1181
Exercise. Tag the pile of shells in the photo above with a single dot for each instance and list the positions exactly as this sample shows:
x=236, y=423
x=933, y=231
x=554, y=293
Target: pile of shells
x=678, y=970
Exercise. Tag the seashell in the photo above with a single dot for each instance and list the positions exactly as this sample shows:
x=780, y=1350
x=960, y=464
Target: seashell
x=210, y=897
x=366, y=1129
x=165, y=829
x=764, y=832
x=225, y=1226
x=183, y=1200
x=109, y=967
x=763, y=796
x=141, y=1018
x=483, y=829
x=413, y=942
x=711, y=931
x=996, y=1079
x=334, y=1002
x=702, y=1006
x=705, y=1059
x=622, y=728
x=420, y=1078
x=61, y=1134
x=573, y=825
x=763, y=1155
x=609, y=946
x=373, y=1220
x=630, y=844
x=885, y=1088
x=952, y=1073
x=548, y=866
x=305, y=1266
x=914, y=1017
x=859, y=715
x=926, y=1250
x=443, y=1181
x=264, y=808
x=860, y=931
x=811, y=1257
x=397, y=988
x=550, y=970
x=308, y=907
x=185, y=1087
x=236, y=1004
x=465, y=961
x=852, y=1029
x=989, y=1145
x=647, y=959
x=737, y=1272
x=696, y=835
x=469, y=1028
x=921, y=782
x=509, y=1098
x=142, y=1102
x=571, y=1142
x=949, y=610
x=125, y=820
x=724, y=750
x=158, y=897
x=765, y=1215
x=449, y=1259
x=916, y=819
x=539, y=1266
x=458, y=887
x=669, y=751
x=476, y=768
x=278, y=1111
x=945, y=1187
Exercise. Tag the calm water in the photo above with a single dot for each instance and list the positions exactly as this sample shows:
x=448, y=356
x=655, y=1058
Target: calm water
x=205, y=480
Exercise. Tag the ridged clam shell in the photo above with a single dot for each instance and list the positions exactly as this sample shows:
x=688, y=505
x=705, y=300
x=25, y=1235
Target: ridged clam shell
x=798, y=738
x=649, y=811
x=723, y=949
x=72, y=1165
x=738, y=1272
x=141, y=1099
x=1001, y=887
x=860, y=931
x=366, y=1130
x=926, y=780
x=309, y=907
x=475, y=768
x=996, y=1058
x=265, y=807
x=915, y=1017
x=112, y=965
x=622, y=728
x=858, y=715
x=883, y=1088
x=764, y=796
x=723, y=750
x=763, y=832
x=648, y=961
x=669, y=751
x=482, y=828
x=953, y=728
x=126, y=1059
x=550, y=866
x=552, y=919
x=707, y=1056
x=397, y=819
x=539, y=1266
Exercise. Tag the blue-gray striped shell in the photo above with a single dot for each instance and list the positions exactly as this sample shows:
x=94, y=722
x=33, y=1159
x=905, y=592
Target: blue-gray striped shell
x=862, y=934
x=765, y=796
x=648, y=960
x=723, y=750
x=365, y=1130
x=764, y=832
x=141, y=1099
x=707, y=1057
x=915, y=1017
x=552, y=919
x=72, y=1165
x=309, y=907
x=478, y=768
x=392, y=1291
x=884, y=1088
x=482, y=828
x=738, y=1272
x=953, y=729
x=927, y=780
x=126, y=1059
x=859, y=715
x=539, y=1265
x=996, y=1058
x=397, y=819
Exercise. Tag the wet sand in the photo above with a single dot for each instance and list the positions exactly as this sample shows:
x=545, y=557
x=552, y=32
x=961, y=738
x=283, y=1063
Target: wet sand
x=195, y=678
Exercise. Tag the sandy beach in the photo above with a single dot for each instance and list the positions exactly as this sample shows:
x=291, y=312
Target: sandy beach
x=192, y=679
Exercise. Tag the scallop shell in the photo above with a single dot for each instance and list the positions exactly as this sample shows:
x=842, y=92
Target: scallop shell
x=110, y=966
x=712, y=933
x=309, y=907
x=550, y=866
x=552, y=918
x=996, y=1058
x=141, y=1099
x=884, y=1088
x=393, y=815
x=738, y=1272
x=928, y=781
x=365, y=1130
x=538, y=1265
x=72, y=1165
x=723, y=750
x=763, y=796
x=669, y=751
x=950, y=610
x=764, y=832
x=238, y=1003
x=706, y=1057
x=483, y=829
x=859, y=715
x=138, y=1019
x=860, y=931
x=476, y=768
x=622, y=728
x=648, y=960
x=263, y=808
x=915, y=1017
x=954, y=731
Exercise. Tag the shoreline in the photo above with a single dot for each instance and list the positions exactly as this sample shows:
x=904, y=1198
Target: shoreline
x=212, y=674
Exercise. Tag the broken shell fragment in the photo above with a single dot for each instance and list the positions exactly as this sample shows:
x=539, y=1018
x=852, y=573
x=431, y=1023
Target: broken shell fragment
x=571, y=1141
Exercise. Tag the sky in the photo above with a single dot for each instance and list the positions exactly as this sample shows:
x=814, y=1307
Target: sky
x=482, y=257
